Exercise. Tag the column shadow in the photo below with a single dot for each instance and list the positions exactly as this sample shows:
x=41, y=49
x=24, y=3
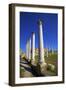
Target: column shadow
x=36, y=70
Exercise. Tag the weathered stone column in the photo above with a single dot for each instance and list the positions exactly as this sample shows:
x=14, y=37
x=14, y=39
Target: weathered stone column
x=29, y=49
x=47, y=52
x=33, y=48
x=52, y=51
x=41, y=47
x=43, y=65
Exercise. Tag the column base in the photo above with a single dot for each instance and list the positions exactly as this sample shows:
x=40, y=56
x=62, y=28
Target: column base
x=43, y=67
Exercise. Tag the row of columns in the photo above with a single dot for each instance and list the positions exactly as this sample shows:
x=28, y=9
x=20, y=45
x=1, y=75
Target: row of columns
x=30, y=46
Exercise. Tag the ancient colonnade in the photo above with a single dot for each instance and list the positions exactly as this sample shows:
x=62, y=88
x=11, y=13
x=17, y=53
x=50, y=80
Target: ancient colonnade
x=30, y=46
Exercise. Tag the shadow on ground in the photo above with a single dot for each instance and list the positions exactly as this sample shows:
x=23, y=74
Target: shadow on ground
x=35, y=70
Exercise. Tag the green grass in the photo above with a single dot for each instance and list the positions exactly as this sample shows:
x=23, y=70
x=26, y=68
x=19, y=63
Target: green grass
x=22, y=72
x=52, y=59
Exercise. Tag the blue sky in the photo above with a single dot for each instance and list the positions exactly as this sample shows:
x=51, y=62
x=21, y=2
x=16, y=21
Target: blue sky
x=28, y=24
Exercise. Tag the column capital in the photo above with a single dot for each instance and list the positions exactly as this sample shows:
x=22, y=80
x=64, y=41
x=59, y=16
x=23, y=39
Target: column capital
x=40, y=21
x=33, y=33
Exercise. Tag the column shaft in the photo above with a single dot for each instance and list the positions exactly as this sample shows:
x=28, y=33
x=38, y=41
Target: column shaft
x=41, y=47
x=47, y=52
x=33, y=47
x=29, y=49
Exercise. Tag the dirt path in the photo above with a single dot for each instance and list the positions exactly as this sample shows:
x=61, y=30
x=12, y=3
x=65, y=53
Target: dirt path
x=25, y=69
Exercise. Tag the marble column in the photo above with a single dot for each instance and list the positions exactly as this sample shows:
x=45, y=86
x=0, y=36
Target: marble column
x=41, y=46
x=47, y=52
x=52, y=51
x=33, y=48
x=42, y=63
x=29, y=49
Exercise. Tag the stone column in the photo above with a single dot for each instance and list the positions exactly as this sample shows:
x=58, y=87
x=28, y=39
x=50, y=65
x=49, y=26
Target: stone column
x=43, y=65
x=52, y=51
x=47, y=52
x=29, y=50
x=33, y=48
x=41, y=47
